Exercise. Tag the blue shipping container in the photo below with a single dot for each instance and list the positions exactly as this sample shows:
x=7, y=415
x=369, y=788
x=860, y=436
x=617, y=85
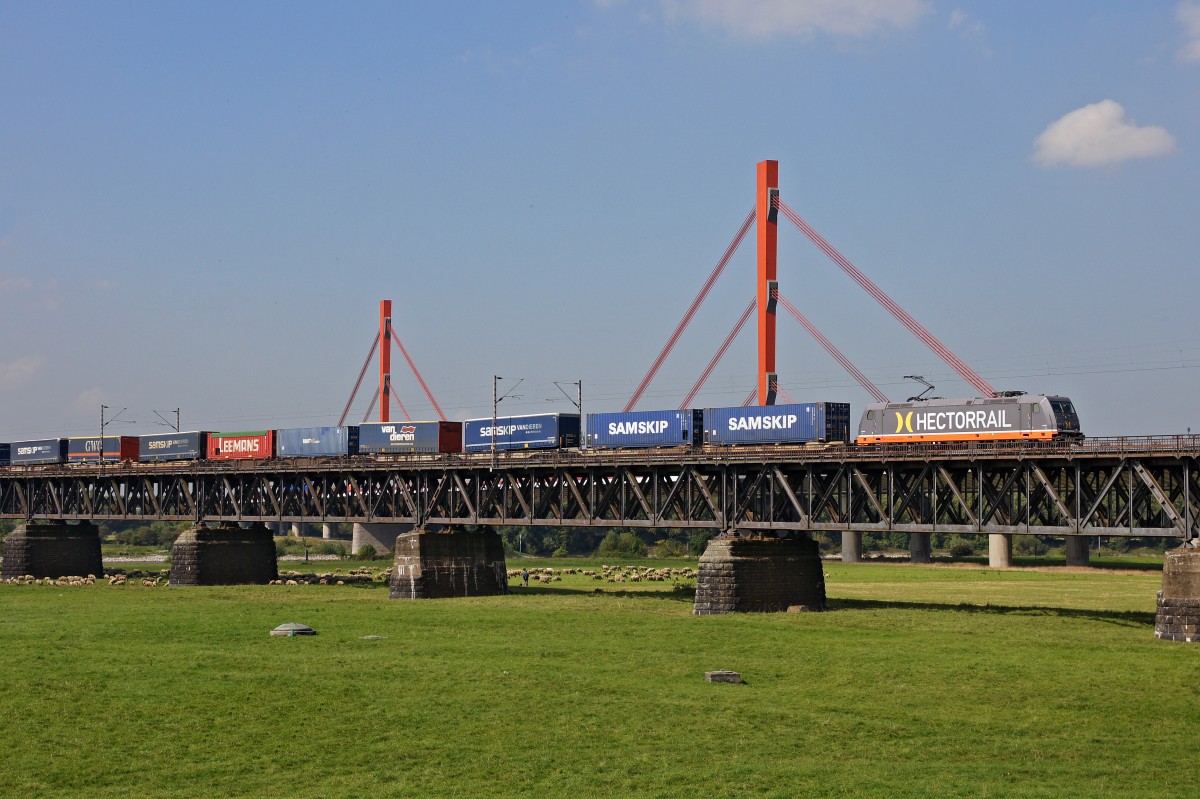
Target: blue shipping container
x=778, y=424
x=540, y=431
x=30, y=453
x=302, y=442
x=3, y=454
x=393, y=438
x=645, y=429
x=172, y=447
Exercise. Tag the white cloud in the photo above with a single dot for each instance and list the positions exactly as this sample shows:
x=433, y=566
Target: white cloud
x=20, y=372
x=15, y=283
x=1099, y=134
x=1188, y=14
x=970, y=28
x=762, y=19
x=89, y=400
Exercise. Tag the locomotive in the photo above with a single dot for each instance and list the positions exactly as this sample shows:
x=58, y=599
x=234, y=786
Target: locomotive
x=1006, y=418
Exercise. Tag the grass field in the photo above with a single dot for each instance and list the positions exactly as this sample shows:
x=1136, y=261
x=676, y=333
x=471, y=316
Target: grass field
x=922, y=681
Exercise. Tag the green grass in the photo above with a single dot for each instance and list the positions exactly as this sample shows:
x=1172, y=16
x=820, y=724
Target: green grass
x=923, y=681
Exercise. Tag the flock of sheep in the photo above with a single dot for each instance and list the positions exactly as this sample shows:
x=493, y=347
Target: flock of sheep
x=355, y=576
x=612, y=574
x=118, y=579
x=544, y=575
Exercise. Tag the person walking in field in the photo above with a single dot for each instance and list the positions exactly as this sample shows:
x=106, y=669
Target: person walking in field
x=525, y=577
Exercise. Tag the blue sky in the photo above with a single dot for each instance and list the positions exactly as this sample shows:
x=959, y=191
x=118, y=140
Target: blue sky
x=201, y=204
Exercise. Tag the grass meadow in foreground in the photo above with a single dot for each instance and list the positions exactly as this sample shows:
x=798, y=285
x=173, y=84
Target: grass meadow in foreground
x=922, y=681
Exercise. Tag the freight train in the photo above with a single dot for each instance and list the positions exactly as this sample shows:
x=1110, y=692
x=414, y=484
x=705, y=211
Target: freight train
x=1009, y=418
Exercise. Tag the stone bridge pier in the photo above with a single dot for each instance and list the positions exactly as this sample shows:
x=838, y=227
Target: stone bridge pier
x=227, y=554
x=753, y=574
x=452, y=562
x=53, y=548
x=1178, y=616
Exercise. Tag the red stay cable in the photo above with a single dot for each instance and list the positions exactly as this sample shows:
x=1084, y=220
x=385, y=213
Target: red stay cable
x=783, y=392
x=371, y=407
x=358, y=383
x=687, y=401
x=691, y=311
x=915, y=327
x=831, y=349
x=400, y=405
x=417, y=373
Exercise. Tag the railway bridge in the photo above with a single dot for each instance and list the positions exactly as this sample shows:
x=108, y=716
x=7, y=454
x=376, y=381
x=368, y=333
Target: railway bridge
x=766, y=499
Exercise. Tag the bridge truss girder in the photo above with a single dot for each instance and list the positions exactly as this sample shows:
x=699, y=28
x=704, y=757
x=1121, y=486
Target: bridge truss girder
x=1134, y=495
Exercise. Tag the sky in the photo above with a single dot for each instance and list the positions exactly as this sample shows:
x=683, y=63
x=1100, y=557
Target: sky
x=202, y=204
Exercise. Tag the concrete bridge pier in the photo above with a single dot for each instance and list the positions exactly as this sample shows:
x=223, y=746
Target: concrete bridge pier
x=1178, y=616
x=999, y=550
x=920, y=548
x=224, y=555
x=327, y=531
x=53, y=548
x=738, y=575
x=851, y=546
x=448, y=563
x=1077, y=551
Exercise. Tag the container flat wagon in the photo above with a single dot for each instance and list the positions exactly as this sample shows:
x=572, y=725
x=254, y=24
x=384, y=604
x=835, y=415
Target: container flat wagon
x=173, y=447
x=645, y=429
x=94, y=449
x=401, y=438
x=316, y=442
x=249, y=445
x=40, y=452
x=537, y=431
x=799, y=423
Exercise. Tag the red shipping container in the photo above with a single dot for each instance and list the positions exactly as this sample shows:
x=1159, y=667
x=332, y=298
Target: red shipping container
x=241, y=446
x=86, y=449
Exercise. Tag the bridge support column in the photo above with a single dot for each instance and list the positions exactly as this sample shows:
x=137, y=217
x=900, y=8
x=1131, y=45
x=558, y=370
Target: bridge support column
x=327, y=531
x=53, y=549
x=380, y=536
x=1178, y=617
x=1077, y=551
x=920, y=550
x=851, y=547
x=759, y=575
x=224, y=555
x=999, y=550
x=449, y=563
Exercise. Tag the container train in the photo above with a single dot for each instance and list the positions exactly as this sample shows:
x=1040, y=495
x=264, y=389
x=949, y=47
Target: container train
x=1024, y=417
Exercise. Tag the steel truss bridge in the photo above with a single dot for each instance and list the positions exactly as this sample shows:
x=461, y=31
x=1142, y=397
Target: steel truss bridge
x=1123, y=486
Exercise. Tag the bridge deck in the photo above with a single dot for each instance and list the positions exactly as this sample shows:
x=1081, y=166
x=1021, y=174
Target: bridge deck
x=1114, y=486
